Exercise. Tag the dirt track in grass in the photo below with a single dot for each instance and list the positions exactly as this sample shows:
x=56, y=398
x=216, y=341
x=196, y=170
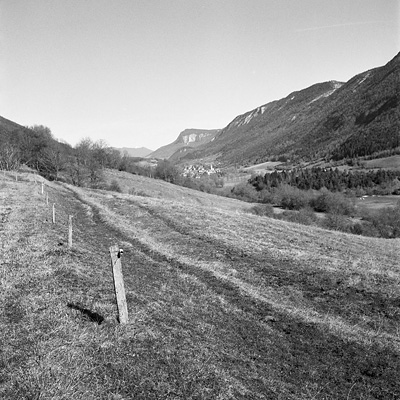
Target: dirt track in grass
x=222, y=304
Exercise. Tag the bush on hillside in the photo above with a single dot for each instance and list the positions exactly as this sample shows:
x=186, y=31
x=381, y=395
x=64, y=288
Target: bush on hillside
x=334, y=203
x=207, y=184
x=266, y=196
x=305, y=216
x=135, y=192
x=357, y=229
x=337, y=222
x=114, y=186
x=263, y=210
x=291, y=198
x=245, y=191
x=387, y=221
x=167, y=171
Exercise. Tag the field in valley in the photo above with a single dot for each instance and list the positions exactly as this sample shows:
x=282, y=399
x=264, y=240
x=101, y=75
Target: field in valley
x=374, y=203
x=222, y=304
x=392, y=162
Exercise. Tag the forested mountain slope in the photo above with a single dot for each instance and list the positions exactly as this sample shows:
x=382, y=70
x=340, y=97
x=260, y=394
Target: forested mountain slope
x=330, y=119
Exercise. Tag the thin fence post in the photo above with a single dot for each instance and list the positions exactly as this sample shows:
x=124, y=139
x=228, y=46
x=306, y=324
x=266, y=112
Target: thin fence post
x=47, y=198
x=16, y=177
x=70, y=231
x=42, y=187
x=54, y=213
x=115, y=253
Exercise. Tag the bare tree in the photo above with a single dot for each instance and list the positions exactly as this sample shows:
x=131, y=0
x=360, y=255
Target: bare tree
x=9, y=157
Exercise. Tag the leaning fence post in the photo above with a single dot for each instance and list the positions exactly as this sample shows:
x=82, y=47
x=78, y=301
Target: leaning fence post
x=115, y=253
x=54, y=213
x=70, y=231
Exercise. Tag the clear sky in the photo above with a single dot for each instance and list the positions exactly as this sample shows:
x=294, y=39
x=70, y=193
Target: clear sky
x=137, y=72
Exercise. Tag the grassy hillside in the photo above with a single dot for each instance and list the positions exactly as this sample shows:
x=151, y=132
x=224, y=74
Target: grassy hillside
x=223, y=304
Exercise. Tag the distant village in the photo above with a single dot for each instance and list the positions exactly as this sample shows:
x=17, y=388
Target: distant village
x=199, y=170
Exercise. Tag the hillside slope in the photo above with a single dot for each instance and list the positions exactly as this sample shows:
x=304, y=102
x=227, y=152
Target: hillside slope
x=222, y=304
x=135, y=151
x=8, y=128
x=330, y=119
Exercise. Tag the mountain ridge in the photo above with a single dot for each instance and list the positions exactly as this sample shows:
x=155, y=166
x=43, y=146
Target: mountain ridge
x=187, y=139
x=135, y=151
x=318, y=121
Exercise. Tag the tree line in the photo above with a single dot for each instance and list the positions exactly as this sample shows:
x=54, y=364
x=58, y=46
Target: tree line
x=332, y=179
x=81, y=165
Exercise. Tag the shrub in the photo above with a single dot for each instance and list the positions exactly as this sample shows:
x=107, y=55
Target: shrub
x=305, y=216
x=167, y=171
x=292, y=198
x=245, y=191
x=368, y=229
x=138, y=193
x=387, y=221
x=357, y=229
x=266, y=196
x=114, y=186
x=334, y=203
x=337, y=222
x=263, y=210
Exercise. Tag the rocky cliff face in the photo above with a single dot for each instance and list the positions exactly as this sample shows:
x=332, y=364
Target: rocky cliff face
x=196, y=136
x=188, y=139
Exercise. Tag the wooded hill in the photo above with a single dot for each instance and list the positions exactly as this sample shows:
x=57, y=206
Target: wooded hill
x=81, y=165
x=332, y=119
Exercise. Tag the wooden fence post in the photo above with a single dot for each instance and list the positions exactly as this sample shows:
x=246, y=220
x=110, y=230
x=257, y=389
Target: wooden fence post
x=70, y=231
x=42, y=187
x=47, y=198
x=115, y=253
x=54, y=213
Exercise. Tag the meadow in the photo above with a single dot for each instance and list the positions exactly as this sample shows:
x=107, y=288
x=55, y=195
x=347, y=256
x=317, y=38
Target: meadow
x=222, y=304
x=374, y=203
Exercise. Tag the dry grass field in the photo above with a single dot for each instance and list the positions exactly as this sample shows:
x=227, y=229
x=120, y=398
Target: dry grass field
x=392, y=162
x=375, y=203
x=222, y=304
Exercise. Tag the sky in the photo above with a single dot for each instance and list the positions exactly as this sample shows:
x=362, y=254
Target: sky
x=135, y=73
